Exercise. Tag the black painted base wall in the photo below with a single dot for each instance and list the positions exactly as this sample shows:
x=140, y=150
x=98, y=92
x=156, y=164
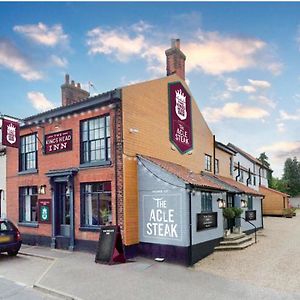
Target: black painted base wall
x=174, y=254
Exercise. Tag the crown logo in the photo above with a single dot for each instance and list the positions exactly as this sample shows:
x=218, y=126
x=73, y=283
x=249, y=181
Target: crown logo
x=11, y=127
x=180, y=95
x=180, y=107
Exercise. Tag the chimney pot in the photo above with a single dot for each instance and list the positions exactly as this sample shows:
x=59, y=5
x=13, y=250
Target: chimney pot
x=78, y=85
x=73, y=82
x=67, y=78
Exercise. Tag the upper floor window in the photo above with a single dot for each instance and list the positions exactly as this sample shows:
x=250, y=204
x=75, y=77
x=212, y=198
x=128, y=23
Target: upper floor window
x=207, y=162
x=28, y=152
x=241, y=178
x=28, y=204
x=95, y=204
x=95, y=139
x=217, y=166
x=206, y=202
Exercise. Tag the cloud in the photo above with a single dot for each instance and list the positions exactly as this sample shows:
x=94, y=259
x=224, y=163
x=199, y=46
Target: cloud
x=283, y=149
x=264, y=101
x=233, y=110
x=116, y=43
x=58, y=61
x=233, y=86
x=39, y=101
x=281, y=127
x=284, y=116
x=216, y=54
x=208, y=52
x=12, y=59
x=42, y=34
x=262, y=84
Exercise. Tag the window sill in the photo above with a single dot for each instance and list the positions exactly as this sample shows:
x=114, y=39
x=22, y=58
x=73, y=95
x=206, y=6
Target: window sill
x=28, y=224
x=95, y=164
x=91, y=229
x=31, y=171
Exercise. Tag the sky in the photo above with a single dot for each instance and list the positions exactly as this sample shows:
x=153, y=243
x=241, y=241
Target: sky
x=242, y=66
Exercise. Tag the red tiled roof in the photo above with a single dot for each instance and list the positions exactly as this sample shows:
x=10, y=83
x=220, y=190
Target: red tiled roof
x=275, y=191
x=184, y=173
x=235, y=184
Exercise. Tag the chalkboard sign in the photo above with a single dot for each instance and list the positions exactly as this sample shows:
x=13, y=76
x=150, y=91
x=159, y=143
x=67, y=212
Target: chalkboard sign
x=207, y=220
x=250, y=215
x=110, y=247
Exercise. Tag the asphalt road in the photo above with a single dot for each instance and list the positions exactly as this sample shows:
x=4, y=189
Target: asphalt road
x=11, y=290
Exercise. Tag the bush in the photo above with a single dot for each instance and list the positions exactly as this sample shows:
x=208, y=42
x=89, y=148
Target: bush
x=288, y=212
x=228, y=213
x=237, y=211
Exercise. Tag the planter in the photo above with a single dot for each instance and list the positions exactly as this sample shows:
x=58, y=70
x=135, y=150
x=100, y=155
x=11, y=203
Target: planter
x=226, y=232
x=237, y=229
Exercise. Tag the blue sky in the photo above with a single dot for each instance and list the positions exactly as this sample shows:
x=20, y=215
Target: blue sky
x=243, y=61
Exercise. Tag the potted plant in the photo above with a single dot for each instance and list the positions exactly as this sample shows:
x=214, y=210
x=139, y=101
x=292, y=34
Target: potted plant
x=104, y=213
x=237, y=213
x=228, y=214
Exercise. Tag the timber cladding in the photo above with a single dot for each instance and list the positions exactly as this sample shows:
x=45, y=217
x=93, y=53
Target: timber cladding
x=146, y=132
x=274, y=202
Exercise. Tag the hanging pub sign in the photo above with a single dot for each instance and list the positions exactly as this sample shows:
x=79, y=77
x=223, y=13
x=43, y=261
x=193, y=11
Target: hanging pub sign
x=207, y=220
x=10, y=133
x=180, y=117
x=58, y=142
x=44, y=210
x=250, y=215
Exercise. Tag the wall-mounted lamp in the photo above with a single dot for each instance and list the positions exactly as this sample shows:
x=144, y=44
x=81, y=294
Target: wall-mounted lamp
x=133, y=130
x=221, y=203
x=42, y=189
x=243, y=203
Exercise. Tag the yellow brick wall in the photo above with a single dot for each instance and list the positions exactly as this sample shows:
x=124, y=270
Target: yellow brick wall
x=224, y=163
x=146, y=108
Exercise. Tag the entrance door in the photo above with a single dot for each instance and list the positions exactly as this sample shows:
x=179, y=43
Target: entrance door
x=230, y=203
x=62, y=210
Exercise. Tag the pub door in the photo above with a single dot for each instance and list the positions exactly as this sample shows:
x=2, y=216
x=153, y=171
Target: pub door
x=230, y=203
x=62, y=214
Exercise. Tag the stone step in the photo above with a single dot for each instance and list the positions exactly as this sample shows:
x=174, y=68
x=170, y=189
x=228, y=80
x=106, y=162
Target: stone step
x=237, y=241
x=234, y=247
x=234, y=236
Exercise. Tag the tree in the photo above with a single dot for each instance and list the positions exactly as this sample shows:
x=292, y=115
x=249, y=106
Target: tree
x=291, y=176
x=263, y=158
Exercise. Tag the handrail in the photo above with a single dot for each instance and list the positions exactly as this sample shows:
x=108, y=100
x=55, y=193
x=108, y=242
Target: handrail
x=255, y=228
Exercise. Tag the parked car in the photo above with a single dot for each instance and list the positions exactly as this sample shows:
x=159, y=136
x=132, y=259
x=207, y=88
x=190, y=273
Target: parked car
x=10, y=238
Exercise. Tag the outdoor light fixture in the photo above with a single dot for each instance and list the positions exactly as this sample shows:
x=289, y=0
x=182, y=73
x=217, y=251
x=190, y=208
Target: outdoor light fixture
x=243, y=203
x=221, y=203
x=42, y=189
x=68, y=191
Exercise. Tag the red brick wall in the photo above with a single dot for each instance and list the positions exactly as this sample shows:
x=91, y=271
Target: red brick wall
x=66, y=160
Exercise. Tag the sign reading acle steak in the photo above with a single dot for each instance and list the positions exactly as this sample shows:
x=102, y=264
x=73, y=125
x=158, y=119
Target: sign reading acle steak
x=58, y=142
x=180, y=117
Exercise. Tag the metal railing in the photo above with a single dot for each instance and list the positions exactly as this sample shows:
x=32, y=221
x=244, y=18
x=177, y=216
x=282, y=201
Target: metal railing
x=255, y=228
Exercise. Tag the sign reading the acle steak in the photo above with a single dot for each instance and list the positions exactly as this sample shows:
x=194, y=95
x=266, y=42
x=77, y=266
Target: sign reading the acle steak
x=10, y=133
x=207, y=220
x=180, y=117
x=58, y=141
x=250, y=215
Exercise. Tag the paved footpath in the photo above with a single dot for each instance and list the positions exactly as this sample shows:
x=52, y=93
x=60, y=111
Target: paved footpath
x=234, y=275
x=273, y=262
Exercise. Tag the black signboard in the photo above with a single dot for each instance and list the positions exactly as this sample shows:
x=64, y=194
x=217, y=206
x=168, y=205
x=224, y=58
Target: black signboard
x=110, y=247
x=207, y=220
x=250, y=215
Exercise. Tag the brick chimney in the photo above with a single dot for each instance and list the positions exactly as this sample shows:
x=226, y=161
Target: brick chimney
x=175, y=59
x=71, y=93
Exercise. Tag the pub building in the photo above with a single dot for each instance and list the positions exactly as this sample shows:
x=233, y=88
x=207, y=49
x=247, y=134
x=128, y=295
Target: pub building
x=132, y=157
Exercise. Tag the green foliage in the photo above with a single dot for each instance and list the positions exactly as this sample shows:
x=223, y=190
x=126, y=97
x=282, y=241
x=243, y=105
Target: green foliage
x=291, y=176
x=228, y=213
x=288, y=212
x=237, y=211
x=263, y=158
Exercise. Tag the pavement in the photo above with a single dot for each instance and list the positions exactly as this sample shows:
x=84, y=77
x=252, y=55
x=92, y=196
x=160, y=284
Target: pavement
x=74, y=275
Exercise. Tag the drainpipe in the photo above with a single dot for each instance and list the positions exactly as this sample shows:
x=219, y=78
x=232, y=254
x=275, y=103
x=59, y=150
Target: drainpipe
x=214, y=154
x=239, y=172
x=249, y=177
x=261, y=209
x=190, y=229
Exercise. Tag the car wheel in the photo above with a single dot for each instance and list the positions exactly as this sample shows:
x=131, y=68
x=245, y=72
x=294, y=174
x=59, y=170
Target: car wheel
x=12, y=253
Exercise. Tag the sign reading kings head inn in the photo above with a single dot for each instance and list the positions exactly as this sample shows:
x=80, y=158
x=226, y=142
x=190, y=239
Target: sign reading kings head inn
x=180, y=117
